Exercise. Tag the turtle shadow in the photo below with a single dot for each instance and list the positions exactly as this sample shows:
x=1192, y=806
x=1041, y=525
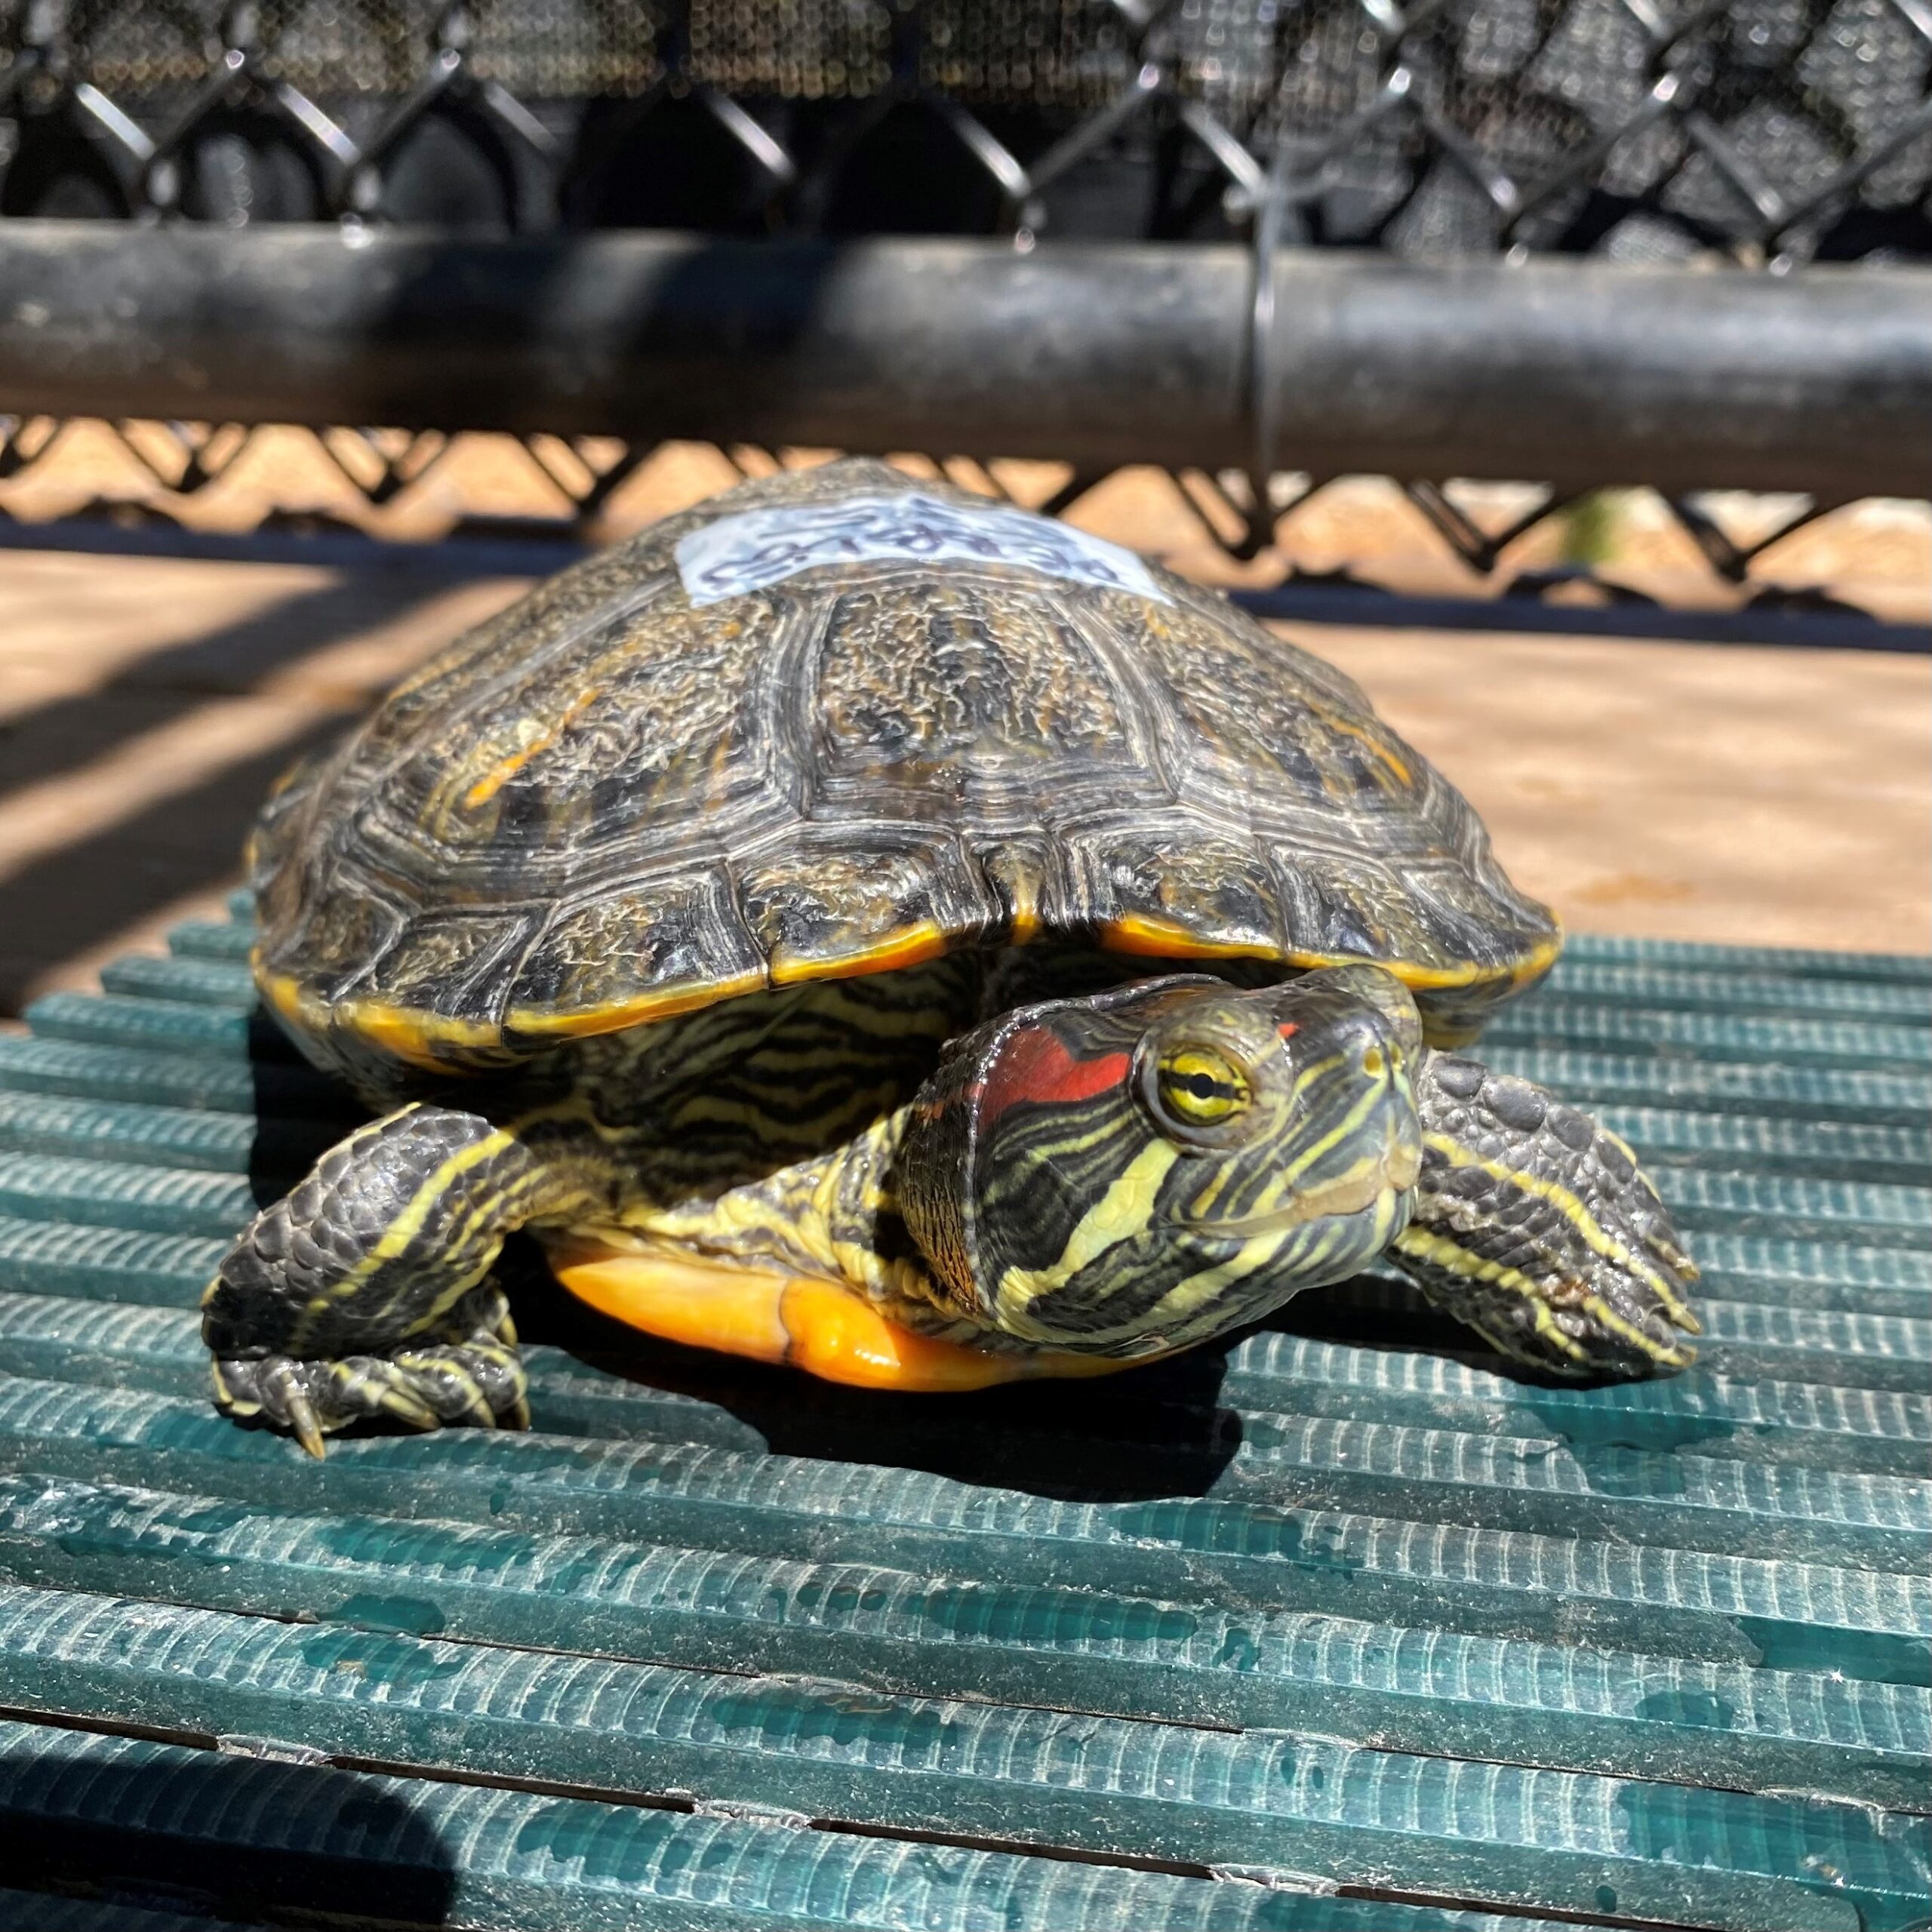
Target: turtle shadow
x=1383, y=1313
x=1375, y=1311
x=1144, y=1435
x=1171, y=1430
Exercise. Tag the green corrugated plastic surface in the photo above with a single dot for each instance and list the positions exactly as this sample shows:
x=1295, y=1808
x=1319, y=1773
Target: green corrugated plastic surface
x=1338, y=1629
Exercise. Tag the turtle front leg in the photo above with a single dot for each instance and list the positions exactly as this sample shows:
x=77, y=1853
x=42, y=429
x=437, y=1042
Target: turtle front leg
x=366, y=1291
x=1537, y=1227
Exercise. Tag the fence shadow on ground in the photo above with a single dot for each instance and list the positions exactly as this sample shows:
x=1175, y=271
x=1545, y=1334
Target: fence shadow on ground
x=102, y=827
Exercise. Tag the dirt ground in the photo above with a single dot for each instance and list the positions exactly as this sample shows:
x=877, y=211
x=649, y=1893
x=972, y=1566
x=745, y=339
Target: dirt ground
x=1763, y=796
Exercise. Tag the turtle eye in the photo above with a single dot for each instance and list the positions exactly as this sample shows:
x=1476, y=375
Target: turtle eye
x=1197, y=1086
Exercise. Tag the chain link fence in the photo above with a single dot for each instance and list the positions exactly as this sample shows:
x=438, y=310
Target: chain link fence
x=1754, y=134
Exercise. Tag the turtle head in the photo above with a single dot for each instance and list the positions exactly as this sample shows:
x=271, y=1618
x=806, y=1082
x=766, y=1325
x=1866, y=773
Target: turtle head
x=1143, y=1169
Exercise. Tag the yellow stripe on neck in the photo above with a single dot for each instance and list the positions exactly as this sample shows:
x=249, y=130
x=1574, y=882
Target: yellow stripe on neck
x=1121, y=1212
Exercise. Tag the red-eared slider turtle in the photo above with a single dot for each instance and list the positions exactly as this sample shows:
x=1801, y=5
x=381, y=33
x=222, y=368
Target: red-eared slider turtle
x=864, y=925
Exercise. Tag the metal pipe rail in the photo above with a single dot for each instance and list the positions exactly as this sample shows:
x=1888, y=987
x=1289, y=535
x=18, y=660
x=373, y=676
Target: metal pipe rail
x=1575, y=373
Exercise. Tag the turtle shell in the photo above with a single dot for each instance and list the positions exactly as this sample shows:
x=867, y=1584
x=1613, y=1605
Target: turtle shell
x=839, y=720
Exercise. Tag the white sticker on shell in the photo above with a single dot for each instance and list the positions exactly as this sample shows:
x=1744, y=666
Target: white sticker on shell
x=746, y=552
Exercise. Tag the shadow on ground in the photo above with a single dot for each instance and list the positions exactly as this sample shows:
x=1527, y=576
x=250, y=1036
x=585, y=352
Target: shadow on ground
x=1148, y=1433
x=71, y=899
x=205, y=1834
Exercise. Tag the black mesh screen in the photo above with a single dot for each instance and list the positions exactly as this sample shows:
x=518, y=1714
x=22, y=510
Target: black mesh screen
x=1647, y=130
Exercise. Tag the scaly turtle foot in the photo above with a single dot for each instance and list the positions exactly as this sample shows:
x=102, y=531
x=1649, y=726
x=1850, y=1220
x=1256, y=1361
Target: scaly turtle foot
x=1536, y=1226
x=465, y=1371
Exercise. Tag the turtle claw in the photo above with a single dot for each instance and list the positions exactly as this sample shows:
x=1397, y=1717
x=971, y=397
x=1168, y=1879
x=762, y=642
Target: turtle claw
x=375, y=1385
x=281, y=1388
x=446, y=1381
x=292, y=1394
x=476, y=1380
x=404, y=1406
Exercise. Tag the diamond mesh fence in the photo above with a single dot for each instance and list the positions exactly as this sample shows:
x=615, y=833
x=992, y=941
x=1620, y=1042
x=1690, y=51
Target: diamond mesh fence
x=1755, y=135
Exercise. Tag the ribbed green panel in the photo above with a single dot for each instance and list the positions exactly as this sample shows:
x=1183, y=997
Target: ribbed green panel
x=194, y=982
x=1849, y=1150
x=1869, y=1351
x=1388, y=1618
x=1880, y=1337
x=143, y=1135
x=1799, y=962
x=1796, y=1198
x=1281, y=1383
x=157, y=1136
x=1703, y=990
x=1269, y=1377
x=99, y=1264
x=1514, y=1476
x=1223, y=1550
x=168, y=1025
x=210, y=939
x=1551, y=1020
x=51, y=1338
x=33, y=1065
x=982, y=1638
x=1740, y=1339
x=1719, y=1082
x=513, y=1861
x=1818, y=1426
x=105, y=1194
x=1815, y=1263
x=1093, y=1784
x=181, y=1080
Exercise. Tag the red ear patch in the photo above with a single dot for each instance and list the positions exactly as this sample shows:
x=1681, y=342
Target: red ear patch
x=1289, y=1028
x=1037, y=1066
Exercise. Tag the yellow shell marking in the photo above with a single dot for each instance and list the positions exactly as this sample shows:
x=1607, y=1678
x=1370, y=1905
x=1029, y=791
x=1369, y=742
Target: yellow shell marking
x=500, y=774
x=1146, y=935
x=643, y=1009
x=422, y=1039
x=1377, y=748
x=911, y=945
x=425, y=1039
